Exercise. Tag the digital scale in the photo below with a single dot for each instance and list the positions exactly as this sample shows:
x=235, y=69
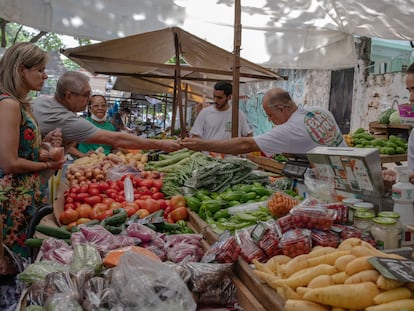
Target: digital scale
x=296, y=166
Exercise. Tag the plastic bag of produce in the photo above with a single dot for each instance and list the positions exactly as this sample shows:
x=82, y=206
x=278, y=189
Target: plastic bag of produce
x=139, y=283
x=224, y=250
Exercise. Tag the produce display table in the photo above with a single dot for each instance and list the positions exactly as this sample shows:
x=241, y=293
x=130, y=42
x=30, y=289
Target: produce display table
x=384, y=131
x=397, y=158
x=263, y=297
x=267, y=163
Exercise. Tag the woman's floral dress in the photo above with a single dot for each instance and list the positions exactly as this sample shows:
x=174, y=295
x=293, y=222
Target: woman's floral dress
x=21, y=194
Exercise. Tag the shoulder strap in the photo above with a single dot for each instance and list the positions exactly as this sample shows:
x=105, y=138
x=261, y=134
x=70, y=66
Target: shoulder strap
x=4, y=96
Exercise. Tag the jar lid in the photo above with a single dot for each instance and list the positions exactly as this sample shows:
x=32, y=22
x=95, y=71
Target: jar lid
x=364, y=215
x=366, y=205
x=389, y=214
x=351, y=201
x=385, y=220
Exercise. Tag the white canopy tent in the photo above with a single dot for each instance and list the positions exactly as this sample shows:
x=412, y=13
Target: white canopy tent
x=301, y=34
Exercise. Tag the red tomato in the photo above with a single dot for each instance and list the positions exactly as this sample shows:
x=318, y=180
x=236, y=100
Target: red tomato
x=142, y=213
x=180, y=213
x=131, y=204
x=103, y=186
x=163, y=204
x=68, y=216
x=139, y=202
x=84, y=187
x=143, y=190
x=108, y=200
x=82, y=221
x=105, y=214
x=157, y=195
x=154, y=190
x=146, y=183
x=92, y=200
x=151, y=205
x=115, y=205
x=145, y=196
x=69, y=206
x=177, y=201
x=69, y=199
x=99, y=211
x=84, y=210
x=157, y=183
x=129, y=210
x=75, y=189
x=80, y=197
x=94, y=191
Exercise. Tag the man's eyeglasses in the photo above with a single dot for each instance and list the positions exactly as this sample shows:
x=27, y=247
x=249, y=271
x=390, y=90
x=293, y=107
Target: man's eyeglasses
x=86, y=95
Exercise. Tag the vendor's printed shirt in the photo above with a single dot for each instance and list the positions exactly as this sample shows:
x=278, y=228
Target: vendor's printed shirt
x=322, y=128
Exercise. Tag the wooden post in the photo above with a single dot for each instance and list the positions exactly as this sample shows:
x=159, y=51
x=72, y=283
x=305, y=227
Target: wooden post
x=236, y=69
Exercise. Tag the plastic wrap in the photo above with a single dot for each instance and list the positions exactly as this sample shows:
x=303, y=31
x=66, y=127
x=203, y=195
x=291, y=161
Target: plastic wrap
x=139, y=283
x=324, y=238
x=56, y=249
x=296, y=242
x=312, y=217
x=224, y=250
x=249, y=249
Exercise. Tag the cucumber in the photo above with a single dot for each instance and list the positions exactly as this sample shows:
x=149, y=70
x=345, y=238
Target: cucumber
x=117, y=219
x=55, y=232
x=33, y=242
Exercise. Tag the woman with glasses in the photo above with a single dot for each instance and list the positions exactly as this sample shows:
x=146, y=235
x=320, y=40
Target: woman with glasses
x=98, y=117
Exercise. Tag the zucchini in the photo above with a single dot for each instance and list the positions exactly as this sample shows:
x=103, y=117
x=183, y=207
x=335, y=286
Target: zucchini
x=119, y=217
x=34, y=242
x=54, y=232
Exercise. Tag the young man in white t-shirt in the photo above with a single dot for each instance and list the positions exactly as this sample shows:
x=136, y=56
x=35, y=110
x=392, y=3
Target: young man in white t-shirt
x=215, y=122
x=297, y=130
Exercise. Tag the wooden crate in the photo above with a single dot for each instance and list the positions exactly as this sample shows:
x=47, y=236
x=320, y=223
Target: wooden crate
x=384, y=131
x=267, y=164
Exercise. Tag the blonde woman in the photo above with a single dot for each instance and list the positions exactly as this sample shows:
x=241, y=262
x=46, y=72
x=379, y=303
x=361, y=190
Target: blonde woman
x=22, y=69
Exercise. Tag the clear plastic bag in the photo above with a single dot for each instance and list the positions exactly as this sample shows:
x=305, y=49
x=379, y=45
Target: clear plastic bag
x=320, y=185
x=139, y=283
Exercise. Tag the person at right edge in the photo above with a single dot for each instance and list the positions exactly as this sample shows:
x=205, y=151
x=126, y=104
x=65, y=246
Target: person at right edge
x=297, y=130
x=390, y=175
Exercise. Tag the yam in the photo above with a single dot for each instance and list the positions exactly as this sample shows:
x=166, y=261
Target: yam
x=341, y=262
x=339, y=278
x=363, y=276
x=302, y=305
x=275, y=262
x=321, y=281
x=261, y=266
x=349, y=296
x=392, y=295
x=387, y=284
x=303, y=277
x=349, y=243
x=320, y=250
x=358, y=264
x=398, y=305
x=301, y=290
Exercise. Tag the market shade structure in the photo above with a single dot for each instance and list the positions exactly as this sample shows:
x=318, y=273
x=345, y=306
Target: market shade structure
x=141, y=61
x=305, y=34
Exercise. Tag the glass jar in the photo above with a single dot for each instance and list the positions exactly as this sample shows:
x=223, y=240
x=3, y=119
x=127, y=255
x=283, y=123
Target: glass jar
x=385, y=232
x=399, y=225
x=349, y=203
x=363, y=220
x=361, y=207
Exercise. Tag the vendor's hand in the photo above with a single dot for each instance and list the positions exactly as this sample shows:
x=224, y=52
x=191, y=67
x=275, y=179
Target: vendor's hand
x=170, y=145
x=54, y=137
x=195, y=144
x=55, y=165
x=389, y=177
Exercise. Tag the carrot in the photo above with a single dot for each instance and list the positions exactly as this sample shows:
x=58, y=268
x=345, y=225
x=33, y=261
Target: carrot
x=112, y=258
x=397, y=305
x=350, y=296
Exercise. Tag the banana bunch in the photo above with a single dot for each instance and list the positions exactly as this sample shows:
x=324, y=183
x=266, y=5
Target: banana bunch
x=349, y=140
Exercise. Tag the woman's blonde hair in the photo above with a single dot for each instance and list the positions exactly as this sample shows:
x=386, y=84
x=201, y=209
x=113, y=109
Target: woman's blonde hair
x=22, y=53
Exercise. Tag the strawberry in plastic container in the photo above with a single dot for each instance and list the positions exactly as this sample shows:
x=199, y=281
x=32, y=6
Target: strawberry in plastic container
x=324, y=238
